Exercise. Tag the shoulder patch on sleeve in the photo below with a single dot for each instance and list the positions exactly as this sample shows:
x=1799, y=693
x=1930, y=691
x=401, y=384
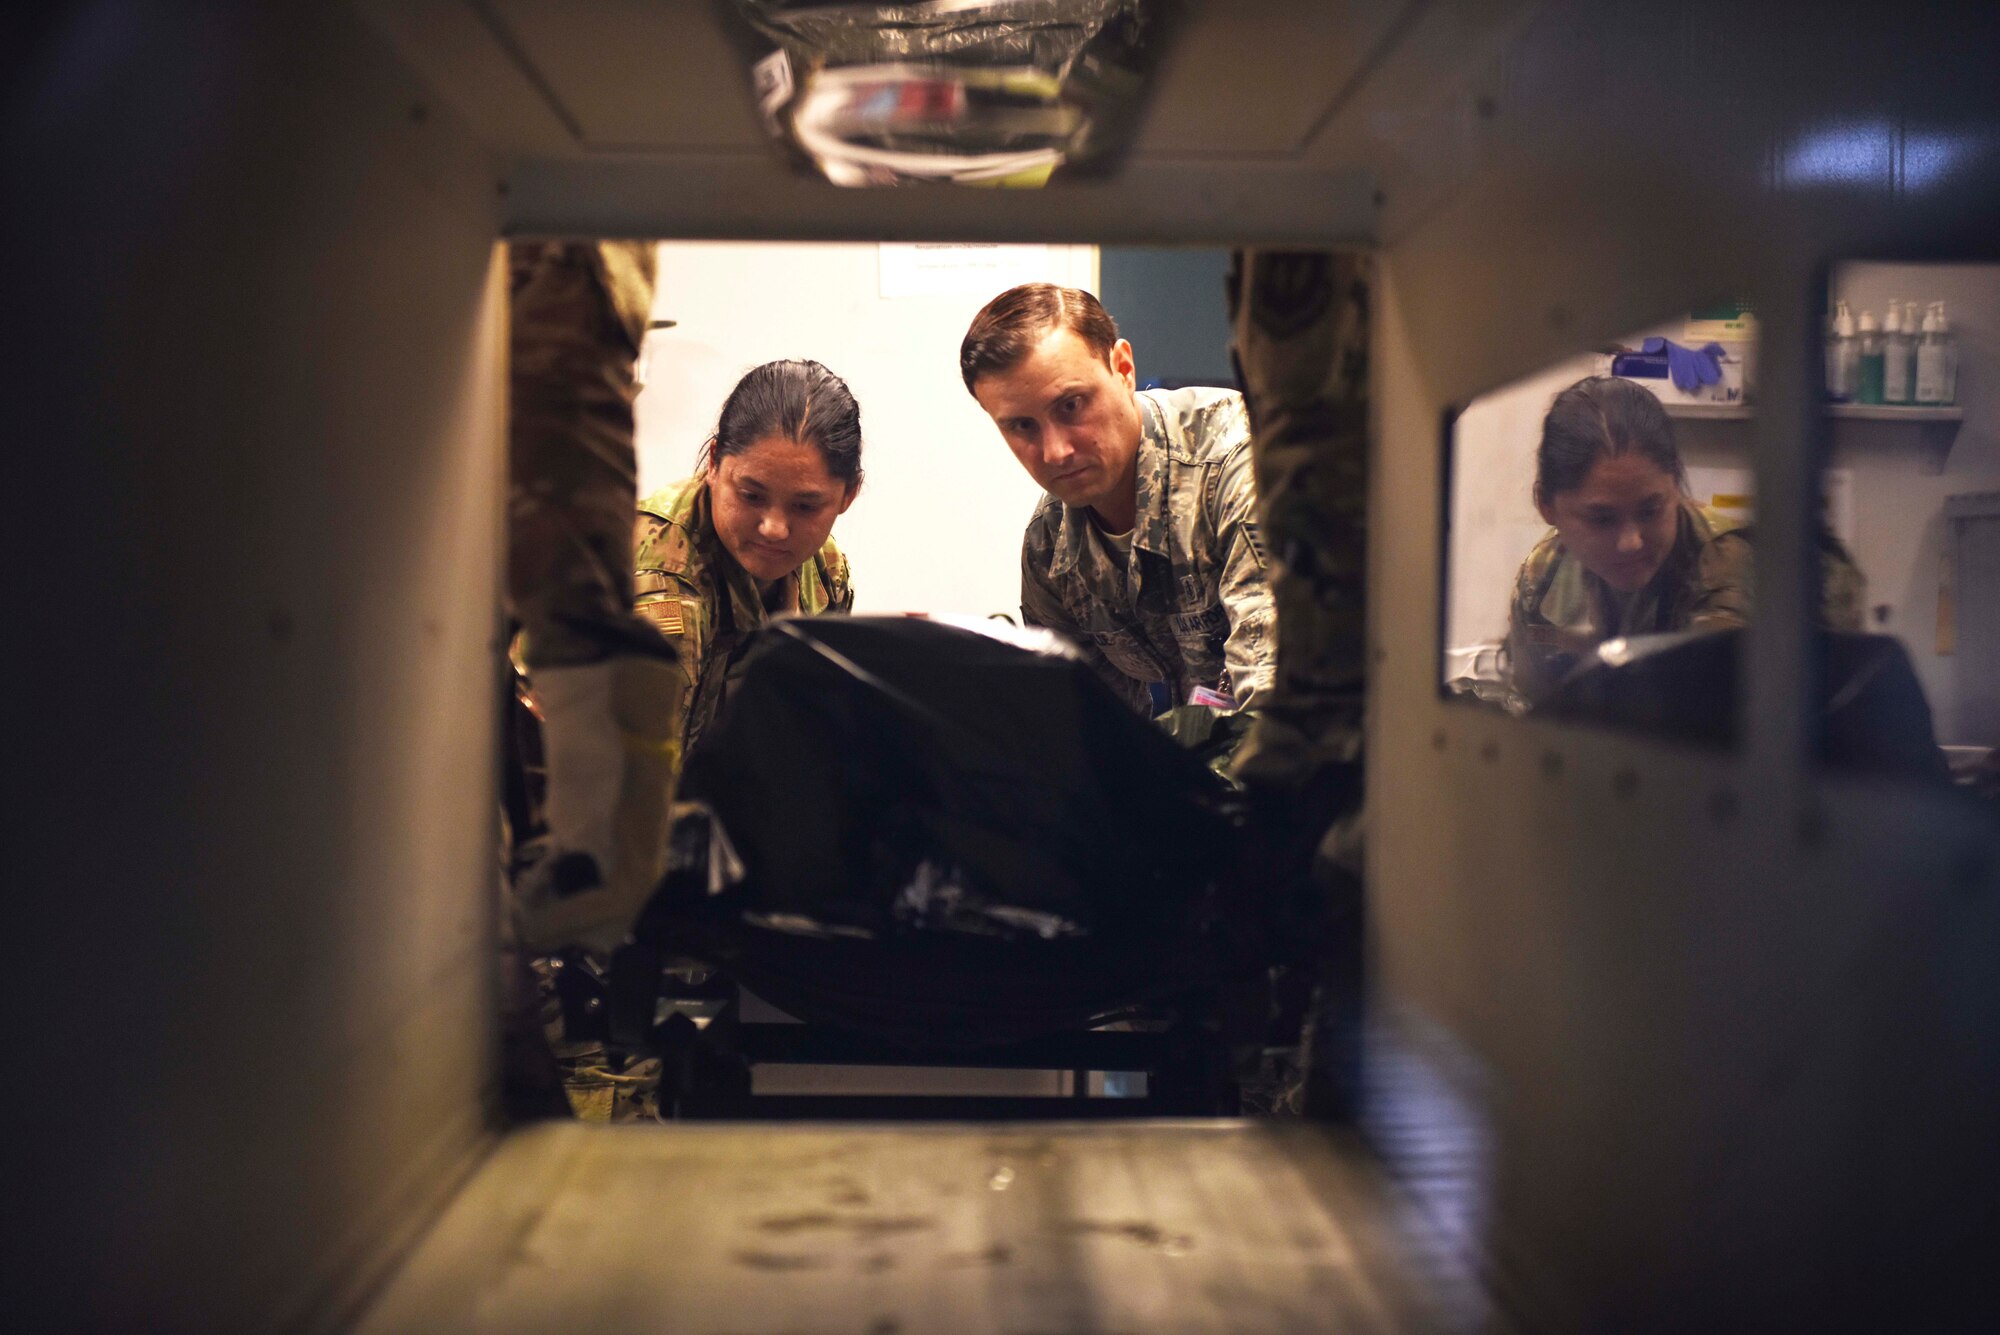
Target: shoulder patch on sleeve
x=665, y=614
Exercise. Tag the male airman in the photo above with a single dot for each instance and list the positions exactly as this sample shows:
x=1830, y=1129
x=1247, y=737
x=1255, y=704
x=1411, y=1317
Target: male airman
x=1145, y=549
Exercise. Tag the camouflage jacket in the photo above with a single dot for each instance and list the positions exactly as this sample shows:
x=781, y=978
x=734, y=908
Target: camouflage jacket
x=1728, y=570
x=1561, y=612
x=695, y=594
x=1190, y=607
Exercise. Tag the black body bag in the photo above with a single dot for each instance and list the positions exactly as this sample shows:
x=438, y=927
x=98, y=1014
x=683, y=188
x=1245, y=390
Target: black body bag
x=949, y=836
x=1872, y=715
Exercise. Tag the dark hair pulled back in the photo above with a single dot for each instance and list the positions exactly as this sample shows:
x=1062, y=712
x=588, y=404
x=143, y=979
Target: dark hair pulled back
x=801, y=401
x=1598, y=418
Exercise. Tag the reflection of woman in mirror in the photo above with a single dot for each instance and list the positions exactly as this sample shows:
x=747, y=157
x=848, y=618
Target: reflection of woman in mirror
x=1628, y=553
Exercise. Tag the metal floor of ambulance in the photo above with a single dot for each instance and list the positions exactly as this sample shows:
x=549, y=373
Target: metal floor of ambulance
x=1014, y=1229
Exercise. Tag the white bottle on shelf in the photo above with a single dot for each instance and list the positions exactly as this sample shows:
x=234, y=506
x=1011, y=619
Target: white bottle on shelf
x=1896, y=366
x=1841, y=352
x=1950, y=356
x=1936, y=364
x=1868, y=361
x=1912, y=325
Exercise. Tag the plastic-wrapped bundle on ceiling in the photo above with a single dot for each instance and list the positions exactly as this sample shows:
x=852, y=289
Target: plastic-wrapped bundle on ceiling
x=1007, y=92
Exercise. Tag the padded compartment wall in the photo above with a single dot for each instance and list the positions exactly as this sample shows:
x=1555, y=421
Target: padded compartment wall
x=257, y=454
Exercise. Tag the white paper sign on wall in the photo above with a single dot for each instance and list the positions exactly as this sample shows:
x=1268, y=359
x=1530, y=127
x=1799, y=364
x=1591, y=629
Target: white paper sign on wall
x=1733, y=492
x=958, y=269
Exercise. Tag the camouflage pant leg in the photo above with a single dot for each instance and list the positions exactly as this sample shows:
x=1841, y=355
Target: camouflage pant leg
x=1300, y=340
x=531, y=1080
x=578, y=314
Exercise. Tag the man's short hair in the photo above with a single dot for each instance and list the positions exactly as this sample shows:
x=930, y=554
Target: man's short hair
x=1008, y=328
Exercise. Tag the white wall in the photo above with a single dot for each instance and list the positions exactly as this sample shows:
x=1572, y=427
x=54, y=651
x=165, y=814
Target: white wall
x=937, y=527
x=1493, y=520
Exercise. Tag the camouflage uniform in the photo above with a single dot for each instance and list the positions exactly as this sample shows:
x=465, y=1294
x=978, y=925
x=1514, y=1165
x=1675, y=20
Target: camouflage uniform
x=1727, y=572
x=693, y=592
x=579, y=314
x=1561, y=612
x=1189, y=607
x=1300, y=341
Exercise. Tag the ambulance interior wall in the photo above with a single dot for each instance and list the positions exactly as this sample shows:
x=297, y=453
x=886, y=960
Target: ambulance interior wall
x=1719, y=1028
x=1701, y=1038
x=254, y=680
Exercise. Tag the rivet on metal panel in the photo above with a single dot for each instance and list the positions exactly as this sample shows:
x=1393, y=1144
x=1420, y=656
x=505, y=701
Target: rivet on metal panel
x=1552, y=764
x=1625, y=784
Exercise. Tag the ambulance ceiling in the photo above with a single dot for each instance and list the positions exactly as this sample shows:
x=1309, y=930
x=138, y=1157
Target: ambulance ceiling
x=1270, y=119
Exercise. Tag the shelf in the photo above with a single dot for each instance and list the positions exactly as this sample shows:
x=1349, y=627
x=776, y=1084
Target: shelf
x=1892, y=412
x=1709, y=412
x=1853, y=412
x=1936, y=428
